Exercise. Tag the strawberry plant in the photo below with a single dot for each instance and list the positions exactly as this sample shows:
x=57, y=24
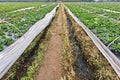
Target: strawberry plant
x=1, y=47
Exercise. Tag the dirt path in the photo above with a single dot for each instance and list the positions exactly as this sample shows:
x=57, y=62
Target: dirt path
x=51, y=67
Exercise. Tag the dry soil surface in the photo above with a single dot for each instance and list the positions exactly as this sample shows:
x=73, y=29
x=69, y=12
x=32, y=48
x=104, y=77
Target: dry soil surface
x=51, y=67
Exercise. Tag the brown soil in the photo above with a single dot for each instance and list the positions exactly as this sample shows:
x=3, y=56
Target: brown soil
x=51, y=67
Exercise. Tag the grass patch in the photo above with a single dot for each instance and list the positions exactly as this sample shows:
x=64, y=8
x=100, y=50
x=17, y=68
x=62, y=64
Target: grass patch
x=68, y=58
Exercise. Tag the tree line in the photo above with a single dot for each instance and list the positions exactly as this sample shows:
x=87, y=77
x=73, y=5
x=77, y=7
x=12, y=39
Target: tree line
x=28, y=0
x=59, y=0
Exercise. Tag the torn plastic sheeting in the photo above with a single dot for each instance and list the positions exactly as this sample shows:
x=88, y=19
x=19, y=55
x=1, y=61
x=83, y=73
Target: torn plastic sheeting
x=9, y=56
x=112, y=59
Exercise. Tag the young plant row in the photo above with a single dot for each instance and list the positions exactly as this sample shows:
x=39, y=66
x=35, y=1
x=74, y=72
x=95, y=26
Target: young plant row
x=11, y=30
x=14, y=13
x=8, y=7
x=105, y=30
x=111, y=13
x=111, y=5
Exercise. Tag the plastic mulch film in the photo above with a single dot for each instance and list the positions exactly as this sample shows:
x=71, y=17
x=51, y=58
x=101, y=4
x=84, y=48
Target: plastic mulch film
x=9, y=56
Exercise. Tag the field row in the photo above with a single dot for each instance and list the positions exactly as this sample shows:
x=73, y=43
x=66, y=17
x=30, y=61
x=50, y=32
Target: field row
x=106, y=30
x=110, y=6
x=110, y=12
x=14, y=6
x=14, y=28
x=17, y=10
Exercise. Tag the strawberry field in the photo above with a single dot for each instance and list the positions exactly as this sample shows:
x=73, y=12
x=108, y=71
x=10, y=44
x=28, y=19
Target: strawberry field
x=59, y=40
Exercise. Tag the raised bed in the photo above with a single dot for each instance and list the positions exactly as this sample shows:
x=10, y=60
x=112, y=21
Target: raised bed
x=9, y=56
x=112, y=59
